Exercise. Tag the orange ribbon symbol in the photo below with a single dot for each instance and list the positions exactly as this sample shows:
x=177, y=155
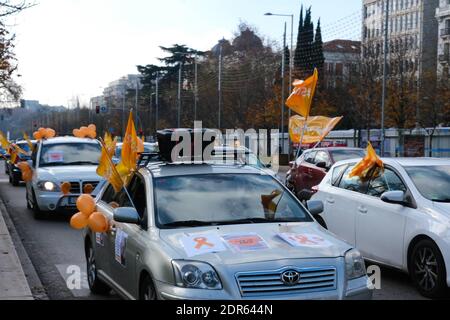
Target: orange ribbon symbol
x=305, y=240
x=202, y=242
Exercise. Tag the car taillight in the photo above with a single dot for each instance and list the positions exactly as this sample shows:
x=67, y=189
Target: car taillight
x=315, y=189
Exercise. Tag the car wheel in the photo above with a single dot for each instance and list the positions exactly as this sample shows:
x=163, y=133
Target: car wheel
x=15, y=182
x=427, y=269
x=37, y=213
x=147, y=289
x=95, y=284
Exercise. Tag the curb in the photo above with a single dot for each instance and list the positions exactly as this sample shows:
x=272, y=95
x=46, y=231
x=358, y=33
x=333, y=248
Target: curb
x=37, y=289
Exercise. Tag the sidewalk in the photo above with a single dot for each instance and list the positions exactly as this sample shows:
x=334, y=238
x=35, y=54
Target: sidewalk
x=13, y=283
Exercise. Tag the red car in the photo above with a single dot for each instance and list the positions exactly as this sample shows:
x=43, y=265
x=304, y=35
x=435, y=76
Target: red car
x=311, y=167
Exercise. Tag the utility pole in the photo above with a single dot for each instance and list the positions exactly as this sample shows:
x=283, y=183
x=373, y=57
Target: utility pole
x=180, y=71
x=220, y=89
x=283, y=84
x=383, y=99
x=157, y=102
x=196, y=88
x=123, y=110
x=137, y=102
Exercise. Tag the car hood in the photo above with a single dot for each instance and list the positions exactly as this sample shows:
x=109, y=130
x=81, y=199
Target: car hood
x=442, y=207
x=278, y=249
x=69, y=173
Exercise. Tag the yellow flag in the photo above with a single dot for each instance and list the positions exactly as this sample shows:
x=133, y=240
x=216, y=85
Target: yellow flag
x=370, y=167
x=27, y=138
x=129, y=150
x=110, y=144
x=107, y=170
x=302, y=96
x=317, y=128
x=3, y=141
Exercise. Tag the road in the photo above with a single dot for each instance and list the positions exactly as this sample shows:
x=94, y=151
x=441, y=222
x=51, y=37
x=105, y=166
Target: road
x=53, y=247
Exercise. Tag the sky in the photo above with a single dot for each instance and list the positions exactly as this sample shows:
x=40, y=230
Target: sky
x=69, y=48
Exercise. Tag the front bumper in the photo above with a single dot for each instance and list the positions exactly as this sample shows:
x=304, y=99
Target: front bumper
x=356, y=290
x=54, y=201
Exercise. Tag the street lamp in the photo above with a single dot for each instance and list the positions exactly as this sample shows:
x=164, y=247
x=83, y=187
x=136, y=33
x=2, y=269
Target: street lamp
x=291, y=65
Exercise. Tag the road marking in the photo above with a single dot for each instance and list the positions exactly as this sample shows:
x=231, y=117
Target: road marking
x=4, y=181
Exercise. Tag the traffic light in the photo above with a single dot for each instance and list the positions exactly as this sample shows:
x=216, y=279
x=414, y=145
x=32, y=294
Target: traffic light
x=97, y=109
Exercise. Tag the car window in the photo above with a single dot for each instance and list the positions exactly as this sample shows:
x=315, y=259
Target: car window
x=322, y=156
x=66, y=154
x=138, y=194
x=347, y=154
x=337, y=173
x=352, y=184
x=108, y=195
x=432, y=181
x=389, y=181
x=310, y=157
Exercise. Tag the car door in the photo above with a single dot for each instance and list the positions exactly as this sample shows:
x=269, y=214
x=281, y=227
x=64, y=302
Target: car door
x=317, y=174
x=304, y=170
x=380, y=226
x=130, y=240
x=340, y=201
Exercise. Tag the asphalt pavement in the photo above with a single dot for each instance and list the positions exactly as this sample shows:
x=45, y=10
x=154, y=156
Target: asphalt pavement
x=56, y=254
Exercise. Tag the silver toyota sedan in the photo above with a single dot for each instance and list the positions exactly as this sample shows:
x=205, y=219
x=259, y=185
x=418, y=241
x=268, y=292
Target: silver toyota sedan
x=217, y=232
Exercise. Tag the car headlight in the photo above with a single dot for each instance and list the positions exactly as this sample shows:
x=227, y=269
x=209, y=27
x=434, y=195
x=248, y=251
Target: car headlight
x=48, y=186
x=196, y=275
x=354, y=265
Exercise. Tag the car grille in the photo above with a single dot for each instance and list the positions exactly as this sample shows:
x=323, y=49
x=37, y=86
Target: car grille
x=75, y=187
x=268, y=283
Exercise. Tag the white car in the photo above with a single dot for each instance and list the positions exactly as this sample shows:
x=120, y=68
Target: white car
x=59, y=160
x=401, y=219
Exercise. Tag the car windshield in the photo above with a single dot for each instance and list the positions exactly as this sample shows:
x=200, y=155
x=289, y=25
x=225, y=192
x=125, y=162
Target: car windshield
x=148, y=148
x=221, y=199
x=25, y=147
x=344, y=154
x=433, y=182
x=67, y=154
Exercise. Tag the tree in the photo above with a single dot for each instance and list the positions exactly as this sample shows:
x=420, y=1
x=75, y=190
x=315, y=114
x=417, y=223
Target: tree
x=318, y=56
x=9, y=90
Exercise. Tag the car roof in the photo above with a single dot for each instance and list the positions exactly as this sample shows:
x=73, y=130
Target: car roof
x=59, y=140
x=159, y=170
x=333, y=149
x=119, y=144
x=24, y=141
x=405, y=162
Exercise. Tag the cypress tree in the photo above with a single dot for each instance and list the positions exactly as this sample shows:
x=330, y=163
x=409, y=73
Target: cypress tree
x=319, y=60
x=308, y=43
x=298, y=48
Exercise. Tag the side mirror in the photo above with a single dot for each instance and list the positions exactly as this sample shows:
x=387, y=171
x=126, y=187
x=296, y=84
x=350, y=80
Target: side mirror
x=126, y=215
x=322, y=165
x=394, y=197
x=315, y=207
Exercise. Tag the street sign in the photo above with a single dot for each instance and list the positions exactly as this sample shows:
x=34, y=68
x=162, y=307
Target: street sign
x=103, y=109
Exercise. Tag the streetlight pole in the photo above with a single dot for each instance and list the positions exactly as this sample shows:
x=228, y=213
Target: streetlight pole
x=291, y=60
x=220, y=89
x=383, y=99
x=283, y=83
x=196, y=88
x=180, y=71
x=157, y=102
x=137, y=102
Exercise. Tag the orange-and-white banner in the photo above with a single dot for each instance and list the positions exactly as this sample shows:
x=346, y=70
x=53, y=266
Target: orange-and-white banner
x=316, y=129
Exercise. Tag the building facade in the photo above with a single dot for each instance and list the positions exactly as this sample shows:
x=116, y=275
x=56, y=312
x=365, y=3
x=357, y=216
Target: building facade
x=412, y=36
x=443, y=17
x=342, y=59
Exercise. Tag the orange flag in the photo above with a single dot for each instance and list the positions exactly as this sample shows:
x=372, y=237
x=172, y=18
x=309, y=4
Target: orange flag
x=4, y=143
x=370, y=167
x=107, y=169
x=129, y=150
x=317, y=128
x=302, y=96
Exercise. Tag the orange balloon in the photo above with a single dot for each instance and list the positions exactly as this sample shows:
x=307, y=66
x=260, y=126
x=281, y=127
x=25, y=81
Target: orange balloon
x=140, y=148
x=27, y=176
x=51, y=133
x=92, y=134
x=86, y=204
x=87, y=189
x=84, y=131
x=92, y=127
x=98, y=223
x=37, y=135
x=76, y=133
x=79, y=221
x=65, y=188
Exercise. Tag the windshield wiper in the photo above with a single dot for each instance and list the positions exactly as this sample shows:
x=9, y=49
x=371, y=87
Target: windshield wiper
x=190, y=223
x=256, y=220
x=80, y=163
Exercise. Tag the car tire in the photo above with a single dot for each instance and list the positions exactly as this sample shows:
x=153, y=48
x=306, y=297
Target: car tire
x=147, y=289
x=96, y=285
x=14, y=181
x=427, y=269
x=37, y=213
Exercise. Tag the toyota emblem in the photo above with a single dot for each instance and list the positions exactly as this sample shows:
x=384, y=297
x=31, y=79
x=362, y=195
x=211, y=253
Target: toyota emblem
x=290, y=278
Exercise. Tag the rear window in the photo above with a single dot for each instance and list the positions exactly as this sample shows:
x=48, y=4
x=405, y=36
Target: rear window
x=340, y=155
